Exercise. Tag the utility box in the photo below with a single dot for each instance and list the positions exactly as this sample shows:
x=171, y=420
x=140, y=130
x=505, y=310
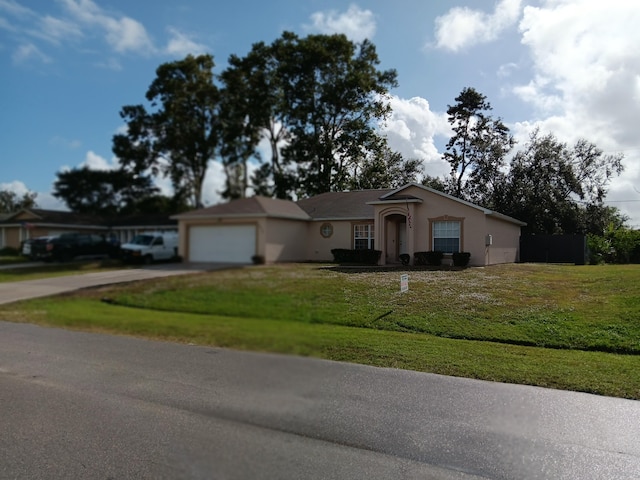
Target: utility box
x=488, y=241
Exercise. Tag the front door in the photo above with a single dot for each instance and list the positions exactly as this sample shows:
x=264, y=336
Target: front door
x=402, y=238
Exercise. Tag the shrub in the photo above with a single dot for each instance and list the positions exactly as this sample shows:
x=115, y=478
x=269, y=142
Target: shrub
x=428, y=258
x=258, y=260
x=360, y=256
x=461, y=259
x=9, y=252
x=599, y=249
x=405, y=258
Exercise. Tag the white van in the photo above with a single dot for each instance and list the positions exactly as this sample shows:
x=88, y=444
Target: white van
x=150, y=247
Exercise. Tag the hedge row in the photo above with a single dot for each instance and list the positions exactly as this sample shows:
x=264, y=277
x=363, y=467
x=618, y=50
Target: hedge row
x=360, y=256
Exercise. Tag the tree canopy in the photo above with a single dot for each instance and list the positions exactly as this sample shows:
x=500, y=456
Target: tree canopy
x=477, y=150
x=111, y=192
x=551, y=186
x=559, y=189
x=315, y=101
x=11, y=202
x=180, y=133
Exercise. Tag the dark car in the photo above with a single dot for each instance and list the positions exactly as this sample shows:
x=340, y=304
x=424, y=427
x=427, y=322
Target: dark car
x=36, y=248
x=69, y=246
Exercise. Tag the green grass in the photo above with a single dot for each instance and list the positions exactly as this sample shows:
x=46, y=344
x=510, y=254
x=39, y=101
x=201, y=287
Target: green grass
x=50, y=270
x=557, y=326
x=12, y=259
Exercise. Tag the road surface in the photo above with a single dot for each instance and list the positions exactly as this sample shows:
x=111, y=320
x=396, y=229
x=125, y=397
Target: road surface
x=92, y=406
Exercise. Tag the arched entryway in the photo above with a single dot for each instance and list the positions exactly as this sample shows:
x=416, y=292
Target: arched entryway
x=395, y=237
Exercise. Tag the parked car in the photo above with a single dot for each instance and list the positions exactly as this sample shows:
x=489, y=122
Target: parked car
x=150, y=247
x=79, y=245
x=35, y=248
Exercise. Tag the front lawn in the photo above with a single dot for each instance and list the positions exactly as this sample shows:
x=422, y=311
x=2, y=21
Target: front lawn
x=571, y=327
x=37, y=270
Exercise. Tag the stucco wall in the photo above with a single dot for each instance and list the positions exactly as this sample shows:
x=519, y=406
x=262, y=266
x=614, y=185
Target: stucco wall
x=476, y=225
x=285, y=240
x=505, y=247
x=319, y=248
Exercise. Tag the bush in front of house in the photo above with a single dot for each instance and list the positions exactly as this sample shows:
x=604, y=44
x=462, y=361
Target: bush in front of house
x=360, y=256
x=428, y=258
x=461, y=259
x=9, y=252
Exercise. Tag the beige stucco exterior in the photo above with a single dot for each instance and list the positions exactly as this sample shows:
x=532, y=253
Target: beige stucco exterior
x=420, y=207
x=285, y=241
x=402, y=221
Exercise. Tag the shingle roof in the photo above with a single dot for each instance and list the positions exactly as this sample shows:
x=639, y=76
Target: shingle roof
x=342, y=205
x=248, y=207
x=39, y=215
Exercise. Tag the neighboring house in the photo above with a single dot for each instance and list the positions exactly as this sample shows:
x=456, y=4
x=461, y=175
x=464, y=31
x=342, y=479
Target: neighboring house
x=410, y=219
x=34, y=222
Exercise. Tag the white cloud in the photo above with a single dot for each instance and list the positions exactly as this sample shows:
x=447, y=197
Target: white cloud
x=587, y=79
x=213, y=183
x=55, y=30
x=14, y=8
x=96, y=162
x=43, y=199
x=462, y=26
x=58, y=141
x=181, y=44
x=126, y=34
x=123, y=34
x=355, y=23
x=17, y=187
x=110, y=64
x=411, y=130
x=27, y=52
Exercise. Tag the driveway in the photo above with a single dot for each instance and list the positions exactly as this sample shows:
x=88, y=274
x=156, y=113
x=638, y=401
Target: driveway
x=92, y=406
x=15, y=291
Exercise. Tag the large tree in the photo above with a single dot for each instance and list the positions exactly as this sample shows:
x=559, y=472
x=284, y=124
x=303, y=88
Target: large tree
x=253, y=110
x=559, y=189
x=11, y=202
x=316, y=101
x=180, y=132
x=477, y=150
x=108, y=192
x=384, y=169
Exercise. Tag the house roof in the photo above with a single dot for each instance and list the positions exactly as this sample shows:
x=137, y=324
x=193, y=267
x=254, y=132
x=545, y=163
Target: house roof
x=342, y=205
x=39, y=216
x=355, y=205
x=249, y=207
x=42, y=216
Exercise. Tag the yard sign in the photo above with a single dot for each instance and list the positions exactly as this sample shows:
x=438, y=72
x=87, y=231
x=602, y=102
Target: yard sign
x=404, y=283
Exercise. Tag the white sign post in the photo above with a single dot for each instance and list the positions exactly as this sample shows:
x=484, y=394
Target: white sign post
x=404, y=283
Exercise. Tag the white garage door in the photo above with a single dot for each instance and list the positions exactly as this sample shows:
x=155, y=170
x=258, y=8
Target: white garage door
x=228, y=243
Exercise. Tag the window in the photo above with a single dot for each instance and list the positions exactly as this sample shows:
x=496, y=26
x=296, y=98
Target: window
x=326, y=230
x=446, y=236
x=363, y=237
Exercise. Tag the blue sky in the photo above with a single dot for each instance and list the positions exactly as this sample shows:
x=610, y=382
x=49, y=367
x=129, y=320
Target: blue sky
x=571, y=67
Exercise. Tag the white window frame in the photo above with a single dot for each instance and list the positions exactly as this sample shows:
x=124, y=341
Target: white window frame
x=447, y=230
x=363, y=231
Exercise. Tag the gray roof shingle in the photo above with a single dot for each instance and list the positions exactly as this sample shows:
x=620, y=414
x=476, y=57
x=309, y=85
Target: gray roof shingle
x=342, y=205
x=254, y=206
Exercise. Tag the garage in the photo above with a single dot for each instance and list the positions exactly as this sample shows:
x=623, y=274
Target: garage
x=222, y=243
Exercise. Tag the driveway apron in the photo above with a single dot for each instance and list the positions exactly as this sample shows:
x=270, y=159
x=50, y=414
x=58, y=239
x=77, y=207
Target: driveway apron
x=44, y=287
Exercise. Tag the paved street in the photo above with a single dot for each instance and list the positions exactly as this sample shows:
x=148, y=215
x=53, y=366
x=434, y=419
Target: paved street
x=80, y=405
x=14, y=291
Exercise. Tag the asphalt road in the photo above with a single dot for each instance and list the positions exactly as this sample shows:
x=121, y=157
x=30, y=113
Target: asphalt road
x=91, y=406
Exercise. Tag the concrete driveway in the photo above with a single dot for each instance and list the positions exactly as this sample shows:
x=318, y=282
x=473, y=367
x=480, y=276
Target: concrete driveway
x=44, y=287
